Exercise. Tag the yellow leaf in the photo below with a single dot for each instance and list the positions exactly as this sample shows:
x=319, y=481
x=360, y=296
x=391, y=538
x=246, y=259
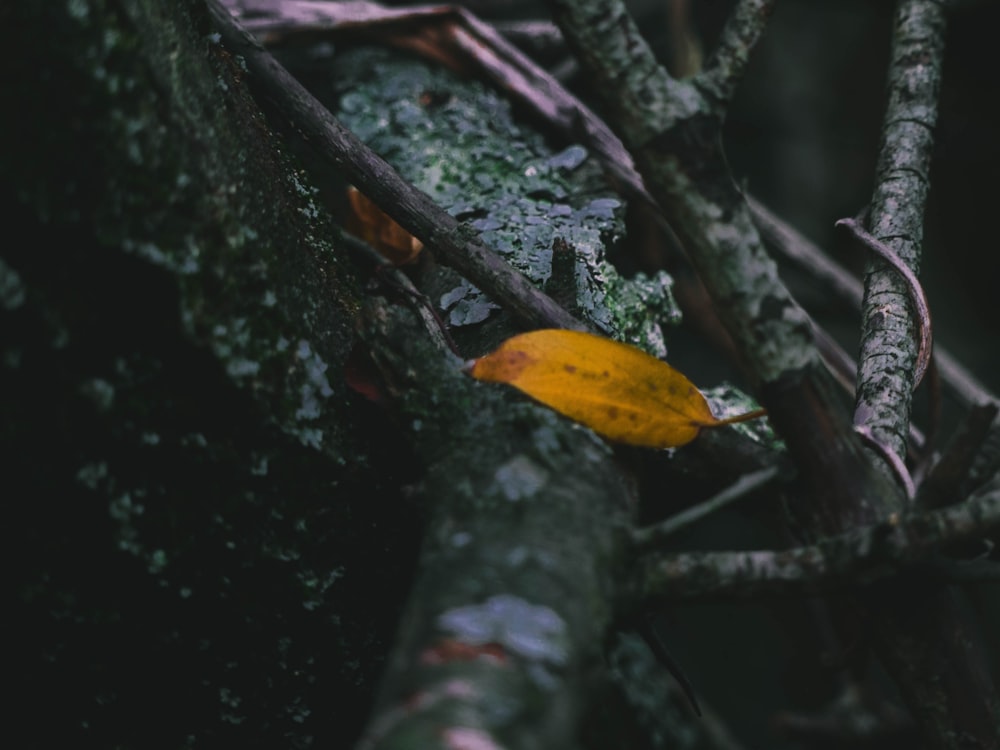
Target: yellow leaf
x=615, y=389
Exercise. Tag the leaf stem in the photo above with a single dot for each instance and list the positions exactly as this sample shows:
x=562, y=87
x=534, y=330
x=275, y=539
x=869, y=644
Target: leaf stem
x=755, y=414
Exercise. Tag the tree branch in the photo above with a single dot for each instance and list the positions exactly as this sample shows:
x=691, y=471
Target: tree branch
x=922, y=637
x=794, y=247
x=858, y=557
x=726, y=66
x=945, y=482
x=651, y=536
x=503, y=613
x=888, y=353
x=609, y=45
x=452, y=243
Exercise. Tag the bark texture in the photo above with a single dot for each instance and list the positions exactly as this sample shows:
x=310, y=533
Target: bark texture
x=502, y=641
x=902, y=181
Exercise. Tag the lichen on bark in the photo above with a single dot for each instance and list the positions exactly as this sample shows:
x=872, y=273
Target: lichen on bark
x=459, y=142
x=902, y=181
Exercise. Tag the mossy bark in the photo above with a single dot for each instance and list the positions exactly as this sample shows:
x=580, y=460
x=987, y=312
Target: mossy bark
x=213, y=535
x=502, y=641
x=196, y=520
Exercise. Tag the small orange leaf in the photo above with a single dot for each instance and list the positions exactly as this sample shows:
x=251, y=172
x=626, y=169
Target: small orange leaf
x=374, y=226
x=615, y=389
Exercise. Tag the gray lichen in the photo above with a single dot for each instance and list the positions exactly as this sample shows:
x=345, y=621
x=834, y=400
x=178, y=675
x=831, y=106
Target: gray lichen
x=459, y=142
x=532, y=631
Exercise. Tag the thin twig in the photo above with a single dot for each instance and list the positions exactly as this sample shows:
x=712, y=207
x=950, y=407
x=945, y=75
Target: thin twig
x=666, y=659
x=860, y=557
x=642, y=98
x=729, y=61
x=894, y=462
x=944, y=482
x=652, y=536
x=793, y=246
x=388, y=274
x=925, y=335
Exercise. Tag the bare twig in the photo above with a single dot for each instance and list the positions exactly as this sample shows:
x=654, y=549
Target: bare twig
x=924, y=337
x=672, y=127
x=725, y=67
x=944, y=483
x=895, y=463
x=859, y=557
x=791, y=245
x=651, y=536
x=913, y=289
x=666, y=659
x=390, y=275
